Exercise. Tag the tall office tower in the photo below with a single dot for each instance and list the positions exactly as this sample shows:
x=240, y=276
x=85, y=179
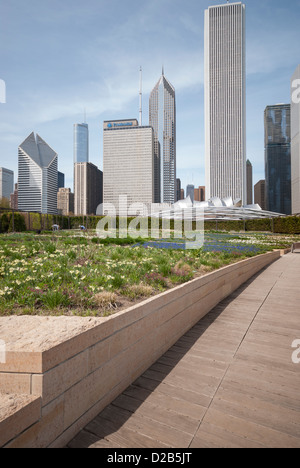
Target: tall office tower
x=190, y=192
x=14, y=198
x=6, y=183
x=88, y=182
x=295, y=136
x=162, y=118
x=278, y=158
x=260, y=194
x=178, y=189
x=65, y=201
x=199, y=194
x=225, y=101
x=37, y=185
x=60, y=180
x=81, y=143
x=128, y=164
x=249, y=183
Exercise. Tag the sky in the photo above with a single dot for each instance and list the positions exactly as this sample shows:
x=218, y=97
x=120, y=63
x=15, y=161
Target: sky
x=62, y=59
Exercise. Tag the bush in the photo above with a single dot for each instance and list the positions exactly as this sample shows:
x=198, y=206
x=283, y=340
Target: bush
x=17, y=224
x=4, y=223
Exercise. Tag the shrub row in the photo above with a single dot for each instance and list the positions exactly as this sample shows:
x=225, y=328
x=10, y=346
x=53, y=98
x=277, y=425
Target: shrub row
x=20, y=222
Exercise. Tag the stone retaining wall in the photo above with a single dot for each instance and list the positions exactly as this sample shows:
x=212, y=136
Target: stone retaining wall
x=71, y=381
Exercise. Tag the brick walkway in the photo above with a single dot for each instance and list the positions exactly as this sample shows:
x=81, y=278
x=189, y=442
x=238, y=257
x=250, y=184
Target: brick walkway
x=228, y=382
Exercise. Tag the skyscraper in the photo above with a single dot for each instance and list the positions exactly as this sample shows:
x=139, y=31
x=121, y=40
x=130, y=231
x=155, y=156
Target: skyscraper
x=190, y=191
x=128, y=164
x=295, y=136
x=60, y=180
x=225, y=101
x=178, y=189
x=199, y=194
x=88, y=188
x=260, y=194
x=162, y=118
x=278, y=158
x=37, y=183
x=14, y=198
x=6, y=183
x=81, y=143
x=65, y=201
x=249, y=183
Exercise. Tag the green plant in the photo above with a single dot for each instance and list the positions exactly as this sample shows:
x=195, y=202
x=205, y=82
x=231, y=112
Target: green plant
x=55, y=299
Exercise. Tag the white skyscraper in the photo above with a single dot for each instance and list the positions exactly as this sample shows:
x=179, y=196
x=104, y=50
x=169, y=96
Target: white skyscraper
x=225, y=101
x=162, y=118
x=295, y=136
x=128, y=164
x=37, y=183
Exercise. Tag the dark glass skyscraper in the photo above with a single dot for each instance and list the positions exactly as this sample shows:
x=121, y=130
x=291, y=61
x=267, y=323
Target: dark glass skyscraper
x=278, y=158
x=81, y=143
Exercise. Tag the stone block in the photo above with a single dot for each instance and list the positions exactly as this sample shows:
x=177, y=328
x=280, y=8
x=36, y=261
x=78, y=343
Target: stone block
x=17, y=413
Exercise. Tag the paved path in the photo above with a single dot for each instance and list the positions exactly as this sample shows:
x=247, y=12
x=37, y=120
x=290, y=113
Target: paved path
x=228, y=382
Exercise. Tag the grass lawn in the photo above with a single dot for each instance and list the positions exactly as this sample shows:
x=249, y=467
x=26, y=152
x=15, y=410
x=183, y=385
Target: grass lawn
x=68, y=274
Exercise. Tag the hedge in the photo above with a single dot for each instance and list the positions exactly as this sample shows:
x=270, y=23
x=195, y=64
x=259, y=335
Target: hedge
x=39, y=222
x=12, y=222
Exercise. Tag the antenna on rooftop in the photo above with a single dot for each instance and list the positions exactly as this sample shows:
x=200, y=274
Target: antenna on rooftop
x=84, y=115
x=141, y=84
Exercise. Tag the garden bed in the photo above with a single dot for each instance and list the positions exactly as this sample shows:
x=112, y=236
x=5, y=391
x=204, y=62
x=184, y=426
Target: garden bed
x=79, y=274
x=73, y=367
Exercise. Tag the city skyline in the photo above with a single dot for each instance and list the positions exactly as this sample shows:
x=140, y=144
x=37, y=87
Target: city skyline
x=99, y=72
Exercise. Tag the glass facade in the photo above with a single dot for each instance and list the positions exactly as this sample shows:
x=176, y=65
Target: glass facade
x=162, y=118
x=278, y=158
x=38, y=180
x=190, y=191
x=81, y=143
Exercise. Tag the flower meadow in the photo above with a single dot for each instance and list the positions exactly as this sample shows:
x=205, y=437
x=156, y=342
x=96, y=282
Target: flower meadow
x=62, y=273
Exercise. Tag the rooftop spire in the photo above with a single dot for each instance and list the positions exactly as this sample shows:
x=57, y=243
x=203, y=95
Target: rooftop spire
x=163, y=71
x=141, y=110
